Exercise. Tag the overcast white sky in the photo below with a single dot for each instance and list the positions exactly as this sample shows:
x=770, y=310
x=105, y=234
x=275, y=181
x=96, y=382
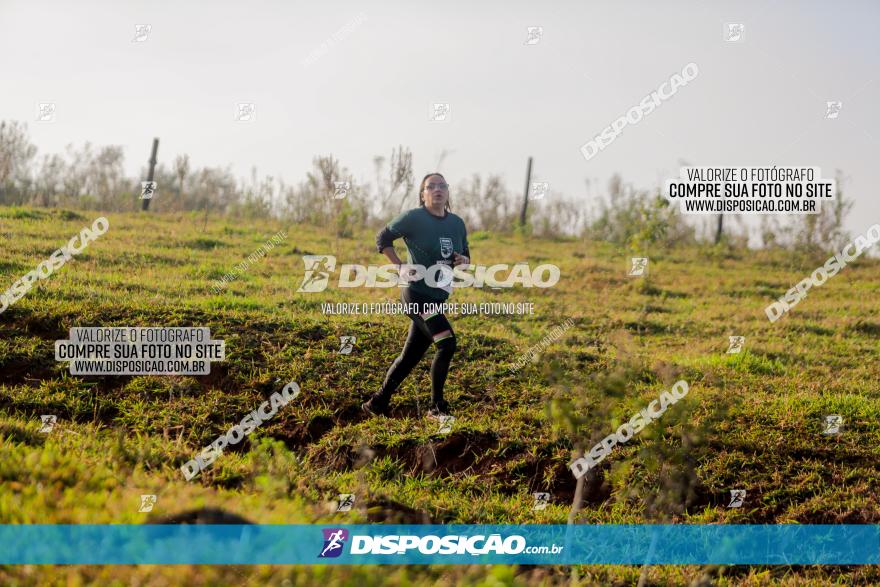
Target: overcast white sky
x=757, y=102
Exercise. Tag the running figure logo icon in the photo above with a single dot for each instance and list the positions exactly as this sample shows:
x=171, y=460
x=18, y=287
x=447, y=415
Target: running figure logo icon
x=832, y=108
x=148, y=188
x=46, y=112
x=737, y=497
x=346, y=500
x=245, y=112
x=832, y=424
x=347, y=344
x=539, y=190
x=446, y=423
x=736, y=344
x=316, y=277
x=439, y=112
x=445, y=247
x=534, y=35
x=735, y=31
x=639, y=266
x=147, y=503
x=49, y=421
x=141, y=32
x=341, y=189
x=541, y=501
x=334, y=540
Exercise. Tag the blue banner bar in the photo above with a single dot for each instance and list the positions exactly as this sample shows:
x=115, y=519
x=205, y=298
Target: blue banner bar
x=372, y=544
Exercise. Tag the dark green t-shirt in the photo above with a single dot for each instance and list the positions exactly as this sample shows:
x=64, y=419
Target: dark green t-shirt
x=430, y=240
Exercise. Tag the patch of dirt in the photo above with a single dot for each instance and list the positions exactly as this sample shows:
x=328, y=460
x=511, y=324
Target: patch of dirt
x=201, y=516
x=217, y=378
x=839, y=517
x=29, y=373
x=646, y=327
x=865, y=327
x=386, y=511
x=456, y=453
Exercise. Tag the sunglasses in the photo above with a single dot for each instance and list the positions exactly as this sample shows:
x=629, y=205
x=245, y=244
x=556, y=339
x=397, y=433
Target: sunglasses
x=442, y=186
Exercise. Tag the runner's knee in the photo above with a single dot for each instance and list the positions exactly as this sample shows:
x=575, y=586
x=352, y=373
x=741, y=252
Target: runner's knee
x=447, y=344
x=441, y=332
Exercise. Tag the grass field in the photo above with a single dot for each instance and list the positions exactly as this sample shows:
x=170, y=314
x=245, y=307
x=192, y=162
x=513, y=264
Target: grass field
x=751, y=420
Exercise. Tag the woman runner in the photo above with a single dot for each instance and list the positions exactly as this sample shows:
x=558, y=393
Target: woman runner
x=433, y=235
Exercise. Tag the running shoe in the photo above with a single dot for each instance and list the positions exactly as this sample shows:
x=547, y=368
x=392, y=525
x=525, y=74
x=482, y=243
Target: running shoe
x=439, y=411
x=372, y=408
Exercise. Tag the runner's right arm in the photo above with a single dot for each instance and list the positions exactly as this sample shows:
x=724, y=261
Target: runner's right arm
x=399, y=227
x=385, y=245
